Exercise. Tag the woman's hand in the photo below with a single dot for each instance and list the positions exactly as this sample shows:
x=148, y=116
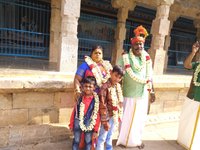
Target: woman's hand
x=77, y=94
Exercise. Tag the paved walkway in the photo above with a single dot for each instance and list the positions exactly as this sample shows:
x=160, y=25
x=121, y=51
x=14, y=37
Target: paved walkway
x=159, y=136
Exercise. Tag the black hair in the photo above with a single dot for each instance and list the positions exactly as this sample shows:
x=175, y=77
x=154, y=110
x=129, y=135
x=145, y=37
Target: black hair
x=118, y=69
x=96, y=47
x=90, y=80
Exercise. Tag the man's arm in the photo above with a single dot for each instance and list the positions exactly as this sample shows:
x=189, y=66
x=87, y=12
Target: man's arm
x=188, y=61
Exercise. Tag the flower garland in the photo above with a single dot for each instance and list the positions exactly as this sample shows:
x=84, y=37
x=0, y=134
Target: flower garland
x=93, y=117
x=196, y=73
x=127, y=65
x=117, y=97
x=130, y=71
x=97, y=71
x=136, y=64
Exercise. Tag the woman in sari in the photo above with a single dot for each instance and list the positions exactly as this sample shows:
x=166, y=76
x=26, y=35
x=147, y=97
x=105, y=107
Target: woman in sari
x=93, y=66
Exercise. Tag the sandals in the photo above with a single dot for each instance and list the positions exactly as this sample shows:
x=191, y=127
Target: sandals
x=141, y=146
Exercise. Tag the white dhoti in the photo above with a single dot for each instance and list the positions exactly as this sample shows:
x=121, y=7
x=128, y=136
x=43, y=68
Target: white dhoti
x=133, y=121
x=189, y=126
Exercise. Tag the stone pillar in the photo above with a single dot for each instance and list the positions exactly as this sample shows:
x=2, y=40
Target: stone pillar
x=68, y=54
x=120, y=34
x=197, y=25
x=159, y=30
x=55, y=25
x=173, y=16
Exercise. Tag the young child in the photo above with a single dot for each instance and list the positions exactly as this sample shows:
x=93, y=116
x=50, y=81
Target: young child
x=85, y=117
x=111, y=100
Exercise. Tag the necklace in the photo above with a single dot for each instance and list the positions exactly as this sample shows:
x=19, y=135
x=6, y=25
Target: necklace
x=117, y=97
x=97, y=71
x=196, y=73
x=93, y=117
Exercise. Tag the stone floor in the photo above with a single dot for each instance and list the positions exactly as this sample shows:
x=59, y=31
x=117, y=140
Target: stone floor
x=158, y=135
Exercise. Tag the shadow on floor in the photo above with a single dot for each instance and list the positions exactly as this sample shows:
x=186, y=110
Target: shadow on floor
x=154, y=145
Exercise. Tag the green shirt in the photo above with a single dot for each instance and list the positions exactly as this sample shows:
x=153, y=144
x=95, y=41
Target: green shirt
x=130, y=87
x=194, y=91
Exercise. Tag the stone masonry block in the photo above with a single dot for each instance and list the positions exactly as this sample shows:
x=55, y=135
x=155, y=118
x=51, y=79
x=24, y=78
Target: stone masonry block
x=172, y=105
x=5, y=101
x=163, y=11
x=64, y=115
x=4, y=136
x=43, y=116
x=63, y=99
x=13, y=117
x=15, y=137
x=160, y=26
x=71, y=8
x=58, y=132
x=156, y=107
x=167, y=95
x=69, y=26
x=33, y=100
x=35, y=134
x=182, y=94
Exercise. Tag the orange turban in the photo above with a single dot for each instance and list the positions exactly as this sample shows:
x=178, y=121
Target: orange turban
x=137, y=39
x=140, y=35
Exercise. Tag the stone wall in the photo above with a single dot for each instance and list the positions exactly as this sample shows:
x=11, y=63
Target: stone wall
x=171, y=91
x=34, y=110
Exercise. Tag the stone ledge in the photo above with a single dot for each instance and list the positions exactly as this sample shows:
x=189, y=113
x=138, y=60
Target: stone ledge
x=171, y=81
x=14, y=80
x=33, y=84
x=30, y=80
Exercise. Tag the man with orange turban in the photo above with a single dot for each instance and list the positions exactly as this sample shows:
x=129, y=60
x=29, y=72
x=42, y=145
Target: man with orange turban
x=137, y=83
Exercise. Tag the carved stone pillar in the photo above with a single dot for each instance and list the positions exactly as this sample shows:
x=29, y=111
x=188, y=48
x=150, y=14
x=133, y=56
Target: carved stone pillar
x=70, y=13
x=173, y=16
x=197, y=25
x=55, y=25
x=120, y=34
x=159, y=30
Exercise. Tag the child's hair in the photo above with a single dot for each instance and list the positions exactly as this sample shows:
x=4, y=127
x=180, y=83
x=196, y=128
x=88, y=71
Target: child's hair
x=89, y=79
x=119, y=70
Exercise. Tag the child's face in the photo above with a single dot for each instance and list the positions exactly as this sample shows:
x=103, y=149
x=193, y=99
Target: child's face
x=115, y=77
x=88, y=88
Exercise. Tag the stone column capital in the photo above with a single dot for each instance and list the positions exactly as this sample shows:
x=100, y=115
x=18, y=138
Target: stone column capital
x=173, y=16
x=129, y=4
x=164, y=2
x=70, y=8
x=197, y=23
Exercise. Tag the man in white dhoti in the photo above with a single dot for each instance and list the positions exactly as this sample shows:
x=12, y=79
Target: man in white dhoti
x=189, y=126
x=137, y=83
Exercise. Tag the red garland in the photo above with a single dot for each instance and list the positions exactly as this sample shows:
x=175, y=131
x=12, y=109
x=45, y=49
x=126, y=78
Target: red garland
x=148, y=81
x=127, y=66
x=115, y=108
x=92, y=66
x=148, y=58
